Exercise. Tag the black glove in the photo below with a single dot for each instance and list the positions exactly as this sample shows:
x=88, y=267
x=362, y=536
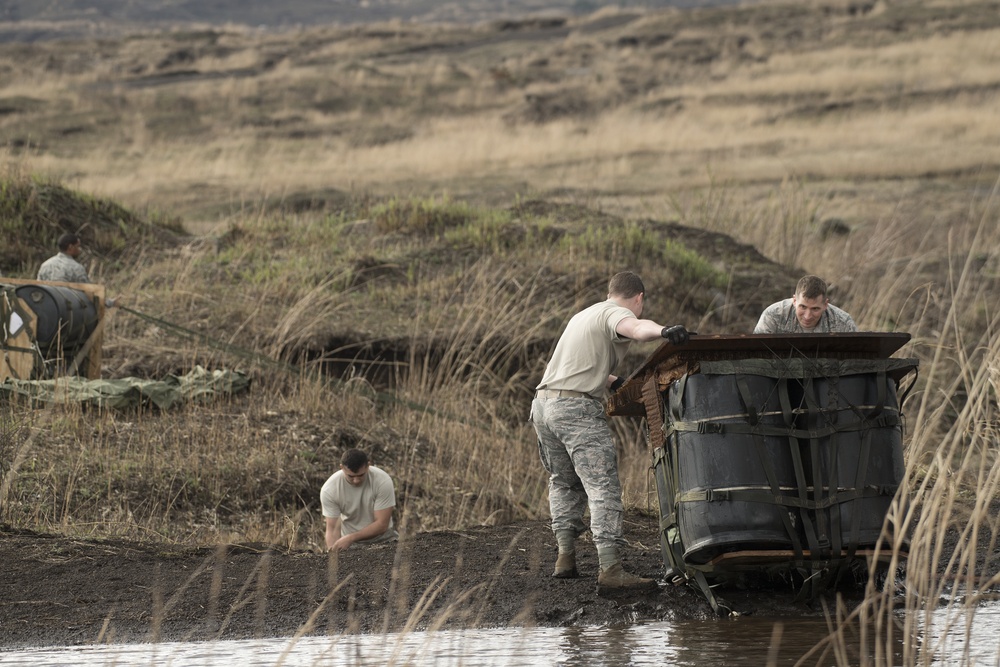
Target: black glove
x=617, y=384
x=675, y=335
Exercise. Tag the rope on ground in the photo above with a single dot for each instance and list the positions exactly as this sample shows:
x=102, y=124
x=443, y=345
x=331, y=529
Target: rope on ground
x=293, y=369
x=222, y=346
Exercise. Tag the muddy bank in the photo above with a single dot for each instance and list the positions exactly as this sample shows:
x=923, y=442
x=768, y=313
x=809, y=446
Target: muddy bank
x=59, y=591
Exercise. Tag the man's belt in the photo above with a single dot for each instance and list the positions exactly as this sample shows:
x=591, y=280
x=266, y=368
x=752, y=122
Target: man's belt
x=560, y=393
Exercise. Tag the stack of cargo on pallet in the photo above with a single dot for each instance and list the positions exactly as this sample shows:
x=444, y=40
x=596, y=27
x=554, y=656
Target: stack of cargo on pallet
x=774, y=453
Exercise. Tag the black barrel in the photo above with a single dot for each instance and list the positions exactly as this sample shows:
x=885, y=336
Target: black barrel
x=799, y=455
x=866, y=456
x=714, y=463
x=66, y=317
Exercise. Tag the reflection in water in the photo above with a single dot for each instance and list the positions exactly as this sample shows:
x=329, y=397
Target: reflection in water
x=736, y=642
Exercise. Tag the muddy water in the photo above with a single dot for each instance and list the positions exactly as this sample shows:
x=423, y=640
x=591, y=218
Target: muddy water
x=949, y=639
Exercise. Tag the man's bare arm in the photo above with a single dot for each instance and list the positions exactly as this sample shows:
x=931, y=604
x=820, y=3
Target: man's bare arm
x=374, y=529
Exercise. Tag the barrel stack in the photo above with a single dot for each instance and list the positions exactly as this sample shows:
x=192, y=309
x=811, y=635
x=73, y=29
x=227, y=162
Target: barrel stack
x=49, y=329
x=774, y=454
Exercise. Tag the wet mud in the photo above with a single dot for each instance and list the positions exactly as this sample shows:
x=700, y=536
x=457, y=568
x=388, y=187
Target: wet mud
x=63, y=591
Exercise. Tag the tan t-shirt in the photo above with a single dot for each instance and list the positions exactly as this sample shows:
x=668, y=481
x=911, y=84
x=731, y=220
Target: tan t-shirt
x=588, y=350
x=356, y=505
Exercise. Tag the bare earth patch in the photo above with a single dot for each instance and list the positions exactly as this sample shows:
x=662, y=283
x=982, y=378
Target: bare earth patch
x=61, y=591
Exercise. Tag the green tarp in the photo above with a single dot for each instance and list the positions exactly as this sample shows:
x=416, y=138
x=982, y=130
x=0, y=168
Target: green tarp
x=198, y=385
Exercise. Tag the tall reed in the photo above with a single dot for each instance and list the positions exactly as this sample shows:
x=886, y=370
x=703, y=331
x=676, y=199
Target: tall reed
x=947, y=505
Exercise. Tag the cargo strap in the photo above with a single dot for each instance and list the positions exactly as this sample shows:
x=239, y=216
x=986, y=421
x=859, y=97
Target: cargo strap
x=670, y=538
x=292, y=369
x=719, y=607
x=801, y=368
x=763, y=494
x=668, y=518
x=888, y=419
x=753, y=418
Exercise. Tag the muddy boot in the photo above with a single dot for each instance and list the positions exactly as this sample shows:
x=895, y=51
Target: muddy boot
x=565, y=566
x=616, y=578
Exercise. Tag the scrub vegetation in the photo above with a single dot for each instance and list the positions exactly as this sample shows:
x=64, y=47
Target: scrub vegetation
x=387, y=226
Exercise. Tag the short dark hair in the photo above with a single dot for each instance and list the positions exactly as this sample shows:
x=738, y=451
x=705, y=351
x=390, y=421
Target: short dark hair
x=625, y=284
x=811, y=287
x=354, y=459
x=66, y=240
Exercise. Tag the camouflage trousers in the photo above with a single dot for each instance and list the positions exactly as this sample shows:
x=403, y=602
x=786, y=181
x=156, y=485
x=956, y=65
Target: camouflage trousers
x=577, y=450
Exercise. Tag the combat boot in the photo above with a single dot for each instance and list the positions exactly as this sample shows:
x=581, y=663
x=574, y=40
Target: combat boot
x=565, y=566
x=615, y=578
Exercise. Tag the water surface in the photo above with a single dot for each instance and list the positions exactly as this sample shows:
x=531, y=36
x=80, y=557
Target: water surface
x=949, y=641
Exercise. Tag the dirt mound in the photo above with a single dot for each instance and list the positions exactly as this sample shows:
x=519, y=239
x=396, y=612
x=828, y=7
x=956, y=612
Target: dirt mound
x=36, y=212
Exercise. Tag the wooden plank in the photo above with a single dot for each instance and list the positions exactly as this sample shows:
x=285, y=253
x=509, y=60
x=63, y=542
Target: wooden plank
x=18, y=357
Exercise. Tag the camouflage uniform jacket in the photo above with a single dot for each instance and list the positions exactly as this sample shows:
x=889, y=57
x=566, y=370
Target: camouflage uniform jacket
x=779, y=318
x=63, y=268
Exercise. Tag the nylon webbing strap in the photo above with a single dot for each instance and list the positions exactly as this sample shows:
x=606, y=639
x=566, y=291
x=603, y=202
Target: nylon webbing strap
x=287, y=367
x=677, y=398
x=10, y=368
x=746, y=398
x=859, y=476
x=862, y=468
x=880, y=384
x=821, y=530
x=766, y=494
x=800, y=368
x=787, y=413
x=887, y=419
x=832, y=399
x=789, y=416
x=660, y=462
x=720, y=610
x=668, y=518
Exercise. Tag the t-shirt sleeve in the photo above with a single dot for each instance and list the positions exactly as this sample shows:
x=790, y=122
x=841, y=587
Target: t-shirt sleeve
x=331, y=508
x=385, y=493
x=614, y=318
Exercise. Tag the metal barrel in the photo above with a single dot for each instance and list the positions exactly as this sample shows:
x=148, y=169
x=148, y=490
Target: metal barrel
x=65, y=316
x=712, y=464
x=797, y=457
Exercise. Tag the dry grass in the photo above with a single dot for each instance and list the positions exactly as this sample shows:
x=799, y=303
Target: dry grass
x=891, y=133
x=592, y=112
x=947, y=503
